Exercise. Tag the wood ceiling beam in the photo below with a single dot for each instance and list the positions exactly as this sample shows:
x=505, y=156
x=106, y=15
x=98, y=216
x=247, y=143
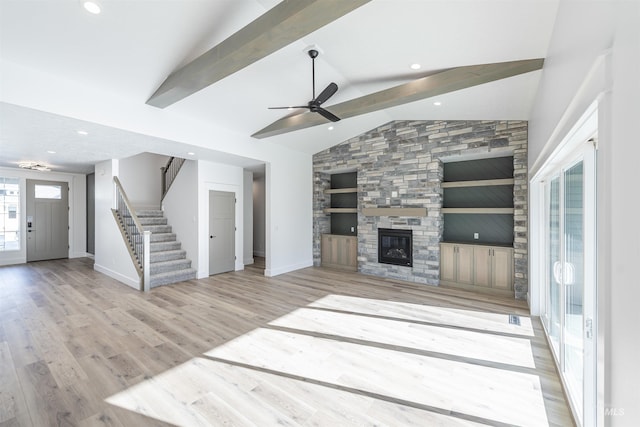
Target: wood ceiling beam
x=285, y=23
x=433, y=85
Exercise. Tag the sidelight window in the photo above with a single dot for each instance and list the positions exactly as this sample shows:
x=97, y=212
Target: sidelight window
x=9, y=214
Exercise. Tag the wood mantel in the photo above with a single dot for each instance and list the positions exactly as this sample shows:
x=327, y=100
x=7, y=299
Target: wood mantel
x=394, y=211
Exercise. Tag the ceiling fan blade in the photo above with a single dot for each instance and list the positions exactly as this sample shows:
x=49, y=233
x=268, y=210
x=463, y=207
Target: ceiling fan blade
x=288, y=108
x=326, y=93
x=327, y=114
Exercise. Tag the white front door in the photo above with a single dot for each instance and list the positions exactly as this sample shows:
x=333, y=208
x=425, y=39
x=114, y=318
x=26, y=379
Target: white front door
x=222, y=232
x=47, y=220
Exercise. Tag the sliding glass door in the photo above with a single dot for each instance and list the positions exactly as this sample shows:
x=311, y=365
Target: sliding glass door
x=570, y=276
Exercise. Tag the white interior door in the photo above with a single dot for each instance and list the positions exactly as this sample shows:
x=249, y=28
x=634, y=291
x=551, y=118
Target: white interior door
x=47, y=220
x=222, y=231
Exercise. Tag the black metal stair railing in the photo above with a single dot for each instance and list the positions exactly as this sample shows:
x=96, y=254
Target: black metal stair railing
x=169, y=173
x=138, y=240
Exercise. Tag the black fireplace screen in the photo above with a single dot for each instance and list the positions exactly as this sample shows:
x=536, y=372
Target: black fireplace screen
x=394, y=246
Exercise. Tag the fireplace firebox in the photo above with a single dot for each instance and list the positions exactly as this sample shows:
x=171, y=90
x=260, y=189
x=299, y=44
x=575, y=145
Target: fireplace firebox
x=395, y=246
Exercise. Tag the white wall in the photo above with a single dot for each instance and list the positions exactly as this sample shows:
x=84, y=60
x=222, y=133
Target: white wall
x=247, y=194
x=258, y=216
x=112, y=257
x=140, y=178
x=288, y=227
x=180, y=207
x=77, y=212
x=218, y=177
x=595, y=54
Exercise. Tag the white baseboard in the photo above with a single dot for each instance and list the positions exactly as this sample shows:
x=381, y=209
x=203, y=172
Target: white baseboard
x=258, y=253
x=281, y=270
x=80, y=255
x=13, y=261
x=131, y=282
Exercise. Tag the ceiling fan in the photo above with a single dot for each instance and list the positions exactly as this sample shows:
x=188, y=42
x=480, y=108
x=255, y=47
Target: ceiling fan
x=315, y=104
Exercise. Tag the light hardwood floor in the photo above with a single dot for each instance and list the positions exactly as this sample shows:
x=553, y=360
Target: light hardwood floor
x=314, y=347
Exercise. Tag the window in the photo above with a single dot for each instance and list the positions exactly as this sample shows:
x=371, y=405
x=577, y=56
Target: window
x=9, y=214
x=48, y=192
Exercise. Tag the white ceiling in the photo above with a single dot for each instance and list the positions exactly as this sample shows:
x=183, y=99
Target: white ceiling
x=130, y=48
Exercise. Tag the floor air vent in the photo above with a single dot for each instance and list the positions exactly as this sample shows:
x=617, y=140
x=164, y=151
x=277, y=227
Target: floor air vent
x=514, y=319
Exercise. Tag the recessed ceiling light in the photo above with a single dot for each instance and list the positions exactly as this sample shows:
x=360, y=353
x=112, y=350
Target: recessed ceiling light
x=437, y=103
x=91, y=7
x=191, y=153
x=82, y=132
x=416, y=66
x=330, y=128
x=51, y=152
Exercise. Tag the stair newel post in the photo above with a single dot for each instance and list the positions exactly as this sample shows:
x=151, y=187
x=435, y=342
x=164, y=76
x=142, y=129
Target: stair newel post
x=146, y=268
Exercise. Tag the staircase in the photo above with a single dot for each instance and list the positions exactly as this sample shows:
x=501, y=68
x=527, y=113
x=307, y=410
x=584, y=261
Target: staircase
x=169, y=263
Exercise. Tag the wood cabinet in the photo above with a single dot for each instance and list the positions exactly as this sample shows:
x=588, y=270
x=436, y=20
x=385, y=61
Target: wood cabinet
x=479, y=267
x=338, y=251
x=456, y=263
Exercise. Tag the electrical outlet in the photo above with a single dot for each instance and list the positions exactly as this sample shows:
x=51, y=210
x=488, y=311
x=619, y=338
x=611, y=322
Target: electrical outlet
x=353, y=229
x=476, y=236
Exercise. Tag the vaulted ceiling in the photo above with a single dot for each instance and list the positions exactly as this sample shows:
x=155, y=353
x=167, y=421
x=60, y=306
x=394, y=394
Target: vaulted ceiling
x=131, y=47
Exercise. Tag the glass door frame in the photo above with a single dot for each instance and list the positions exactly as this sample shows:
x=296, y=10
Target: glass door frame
x=578, y=146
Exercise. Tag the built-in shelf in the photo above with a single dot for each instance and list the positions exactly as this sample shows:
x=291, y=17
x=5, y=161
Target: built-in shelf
x=477, y=210
x=478, y=183
x=394, y=211
x=478, y=201
x=340, y=190
x=340, y=210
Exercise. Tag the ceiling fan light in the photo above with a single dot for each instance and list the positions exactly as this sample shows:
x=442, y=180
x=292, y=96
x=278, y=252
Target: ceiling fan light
x=35, y=166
